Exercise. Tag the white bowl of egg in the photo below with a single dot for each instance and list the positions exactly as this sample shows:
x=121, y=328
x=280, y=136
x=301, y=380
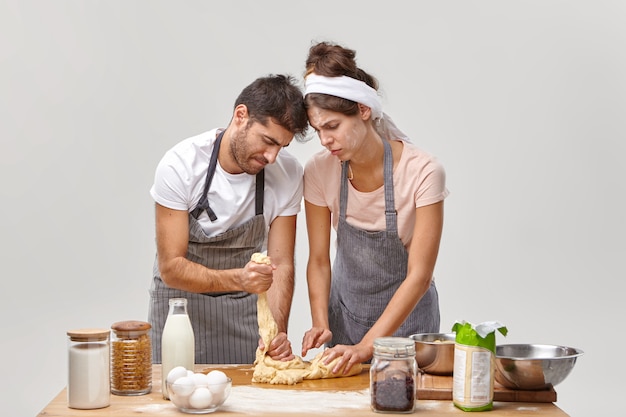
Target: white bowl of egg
x=196, y=392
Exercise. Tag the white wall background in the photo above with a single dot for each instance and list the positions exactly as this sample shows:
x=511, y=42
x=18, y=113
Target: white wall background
x=523, y=102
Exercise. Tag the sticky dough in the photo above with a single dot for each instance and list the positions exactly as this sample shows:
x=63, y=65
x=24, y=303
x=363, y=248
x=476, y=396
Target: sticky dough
x=270, y=371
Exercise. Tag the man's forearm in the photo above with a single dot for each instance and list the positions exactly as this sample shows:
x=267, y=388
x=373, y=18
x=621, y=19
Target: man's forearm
x=183, y=274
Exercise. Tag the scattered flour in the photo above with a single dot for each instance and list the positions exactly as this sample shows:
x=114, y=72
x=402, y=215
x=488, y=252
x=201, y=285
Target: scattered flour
x=251, y=400
x=152, y=409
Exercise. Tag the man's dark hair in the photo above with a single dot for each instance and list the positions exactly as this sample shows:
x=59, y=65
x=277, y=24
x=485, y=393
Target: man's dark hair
x=276, y=97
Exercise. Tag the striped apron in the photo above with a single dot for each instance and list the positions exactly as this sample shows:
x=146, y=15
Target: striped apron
x=368, y=269
x=224, y=324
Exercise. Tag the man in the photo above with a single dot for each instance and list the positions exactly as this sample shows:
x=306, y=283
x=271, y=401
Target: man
x=221, y=196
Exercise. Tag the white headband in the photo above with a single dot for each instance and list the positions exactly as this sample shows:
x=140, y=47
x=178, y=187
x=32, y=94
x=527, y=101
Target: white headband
x=345, y=87
x=355, y=90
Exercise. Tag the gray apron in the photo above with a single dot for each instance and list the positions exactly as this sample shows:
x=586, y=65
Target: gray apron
x=224, y=324
x=368, y=269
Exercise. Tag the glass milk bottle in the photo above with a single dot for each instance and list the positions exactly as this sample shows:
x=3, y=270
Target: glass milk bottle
x=88, y=384
x=177, y=342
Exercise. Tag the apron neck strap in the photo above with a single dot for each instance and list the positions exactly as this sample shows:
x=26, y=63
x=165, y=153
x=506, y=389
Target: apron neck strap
x=390, y=210
x=203, y=204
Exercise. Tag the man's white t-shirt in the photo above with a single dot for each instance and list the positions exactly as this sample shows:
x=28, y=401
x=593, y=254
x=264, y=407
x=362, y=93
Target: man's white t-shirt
x=181, y=175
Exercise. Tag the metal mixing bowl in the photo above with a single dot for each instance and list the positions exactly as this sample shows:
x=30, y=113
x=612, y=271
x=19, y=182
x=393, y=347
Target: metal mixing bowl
x=533, y=367
x=434, y=352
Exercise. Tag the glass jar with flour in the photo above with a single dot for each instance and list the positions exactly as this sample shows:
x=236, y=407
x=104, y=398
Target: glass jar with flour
x=88, y=382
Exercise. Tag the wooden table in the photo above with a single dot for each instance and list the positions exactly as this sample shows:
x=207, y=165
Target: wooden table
x=346, y=396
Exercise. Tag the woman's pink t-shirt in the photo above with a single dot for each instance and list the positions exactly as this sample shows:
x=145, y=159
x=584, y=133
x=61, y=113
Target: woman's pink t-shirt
x=419, y=180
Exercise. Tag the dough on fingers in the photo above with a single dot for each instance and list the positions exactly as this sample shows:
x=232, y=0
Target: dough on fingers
x=260, y=258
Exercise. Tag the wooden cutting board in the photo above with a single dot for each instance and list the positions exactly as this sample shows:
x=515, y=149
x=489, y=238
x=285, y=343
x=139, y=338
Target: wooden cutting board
x=429, y=387
x=434, y=387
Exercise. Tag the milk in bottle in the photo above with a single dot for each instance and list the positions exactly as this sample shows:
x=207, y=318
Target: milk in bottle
x=177, y=342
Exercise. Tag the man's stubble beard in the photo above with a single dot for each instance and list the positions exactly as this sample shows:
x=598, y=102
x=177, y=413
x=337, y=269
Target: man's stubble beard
x=240, y=154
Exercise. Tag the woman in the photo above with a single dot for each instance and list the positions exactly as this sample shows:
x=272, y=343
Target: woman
x=384, y=198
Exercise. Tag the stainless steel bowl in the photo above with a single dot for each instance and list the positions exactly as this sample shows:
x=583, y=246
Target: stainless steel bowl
x=533, y=367
x=434, y=352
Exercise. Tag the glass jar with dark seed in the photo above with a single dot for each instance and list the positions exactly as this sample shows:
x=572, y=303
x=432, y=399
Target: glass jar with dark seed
x=393, y=375
x=131, y=358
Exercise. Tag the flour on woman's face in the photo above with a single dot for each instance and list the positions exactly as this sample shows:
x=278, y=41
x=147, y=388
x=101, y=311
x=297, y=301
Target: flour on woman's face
x=338, y=133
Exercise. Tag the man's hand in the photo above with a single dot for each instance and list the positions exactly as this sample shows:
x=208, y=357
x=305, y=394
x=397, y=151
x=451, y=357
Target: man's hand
x=256, y=278
x=280, y=348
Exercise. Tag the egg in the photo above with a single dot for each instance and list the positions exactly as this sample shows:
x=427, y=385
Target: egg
x=201, y=398
x=179, y=400
x=175, y=373
x=216, y=377
x=183, y=386
x=199, y=379
x=216, y=381
x=218, y=397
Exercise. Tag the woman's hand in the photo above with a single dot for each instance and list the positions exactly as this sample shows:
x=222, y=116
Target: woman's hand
x=349, y=355
x=315, y=338
x=280, y=348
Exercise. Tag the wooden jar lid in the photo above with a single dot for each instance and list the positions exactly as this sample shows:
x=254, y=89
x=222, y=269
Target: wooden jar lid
x=131, y=326
x=87, y=335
